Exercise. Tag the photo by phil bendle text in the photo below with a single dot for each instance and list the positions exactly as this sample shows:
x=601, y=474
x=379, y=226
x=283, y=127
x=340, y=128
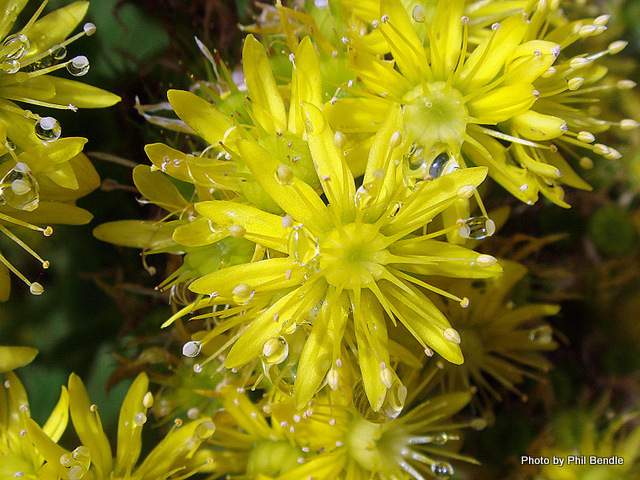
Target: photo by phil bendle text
x=572, y=460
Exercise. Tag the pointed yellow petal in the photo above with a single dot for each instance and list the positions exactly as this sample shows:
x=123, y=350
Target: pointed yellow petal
x=80, y=94
x=88, y=427
x=447, y=35
x=293, y=195
x=260, y=227
x=306, y=85
x=209, y=122
x=132, y=417
x=49, y=449
x=136, y=233
x=15, y=357
x=199, y=232
x=156, y=187
x=51, y=212
x=267, y=103
x=378, y=75
x=502, y=103
x=257, y=277
x=57, y=422
x=336, y=177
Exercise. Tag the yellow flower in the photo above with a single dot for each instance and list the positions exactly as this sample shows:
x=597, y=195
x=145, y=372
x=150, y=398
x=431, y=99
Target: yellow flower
x=42, y=174
x=93, y=460
x=467, y=84
x=501, y=341
x=18, y=457
x=348, y=260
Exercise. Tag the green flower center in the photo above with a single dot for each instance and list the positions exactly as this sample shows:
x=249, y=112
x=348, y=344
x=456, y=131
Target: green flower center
x=436, y=118
x=350, y=256
x=272, y=458
x=375, y=447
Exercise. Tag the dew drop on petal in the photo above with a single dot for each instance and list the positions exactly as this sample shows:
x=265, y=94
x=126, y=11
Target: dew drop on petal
x=191, y=349
x=16, y=46
x=78, y=66
x=204, y=430
x=275, y=351
x=541, y=335
x=140, y=419
x=302, y=246
x=418, y=14
x=48, y=128
x=443, y=164
x=451, y=335
x=59, y=52
x=284, y=175
x=442, y=470
x=243, y=294
x=477, y=228
x=10, y=66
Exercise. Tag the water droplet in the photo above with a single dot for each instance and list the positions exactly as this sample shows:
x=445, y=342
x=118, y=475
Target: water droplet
x=443, y=164
x=391, y=407
x=147, y=401
x=78, y=66
x=275, y=351
x=440, y=438
x=282, y=376
x=58, y=53
x=418, y=14
x=308, y=126
x=303, y=246
x=48, y=128
x=10, y=66
x=243, y=294
x=542, y=335
x=366, y=194
x=477, y=228
x=442, y=470
x=284, y=175
x=204, y=430
x=16, y=46
x=19, y=189
x=191, y=349
x=140, y=419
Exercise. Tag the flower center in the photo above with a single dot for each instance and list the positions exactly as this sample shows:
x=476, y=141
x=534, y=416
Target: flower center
x=436, y=118
x=351, y=256
x=374, y=447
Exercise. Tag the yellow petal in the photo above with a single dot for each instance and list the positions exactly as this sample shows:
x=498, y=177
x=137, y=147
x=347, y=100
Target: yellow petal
x=263, y=276
x=51, y=212
x=293, y=195
x=137, y=234
x=156, y=187
x=340, y=187
x=80, y=94
x=15, y=357
x=569, y=176
x=199, y=232
x=289, y=309
x=54, y=28
x=502, y=103
x=260, y=227
x=209, y=122
x=447, y=35
x=378, y=75
x=530, y=60
x=490, y=56
x=57, y=422
x=306, y=85
x=404, y=43
x=538, y=126
x=130, y=425
x=89, y=427
x=356, y=115
x=49, y=449
x=38, y=88
x=267, y=103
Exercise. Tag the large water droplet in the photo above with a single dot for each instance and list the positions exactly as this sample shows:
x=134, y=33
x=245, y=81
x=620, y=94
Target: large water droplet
x=140, y=419
x=282, y=376
x=366, y=194
x=477, y=228
x=204, y=430
x=191, y=349
x=442, y=470
x=19, y=189
x=58, y=53
x=303, y=246
x=443, y=164
x=78, y=66
x=284, y=175
x=16, y=46
x=391, y=407
x=48, y=128
x=542, y=335
x=243, y=294
x=275, y=351
x=10, y=66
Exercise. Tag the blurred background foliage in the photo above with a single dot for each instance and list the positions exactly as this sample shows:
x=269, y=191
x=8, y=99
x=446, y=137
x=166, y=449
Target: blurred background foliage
x=100, y=302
